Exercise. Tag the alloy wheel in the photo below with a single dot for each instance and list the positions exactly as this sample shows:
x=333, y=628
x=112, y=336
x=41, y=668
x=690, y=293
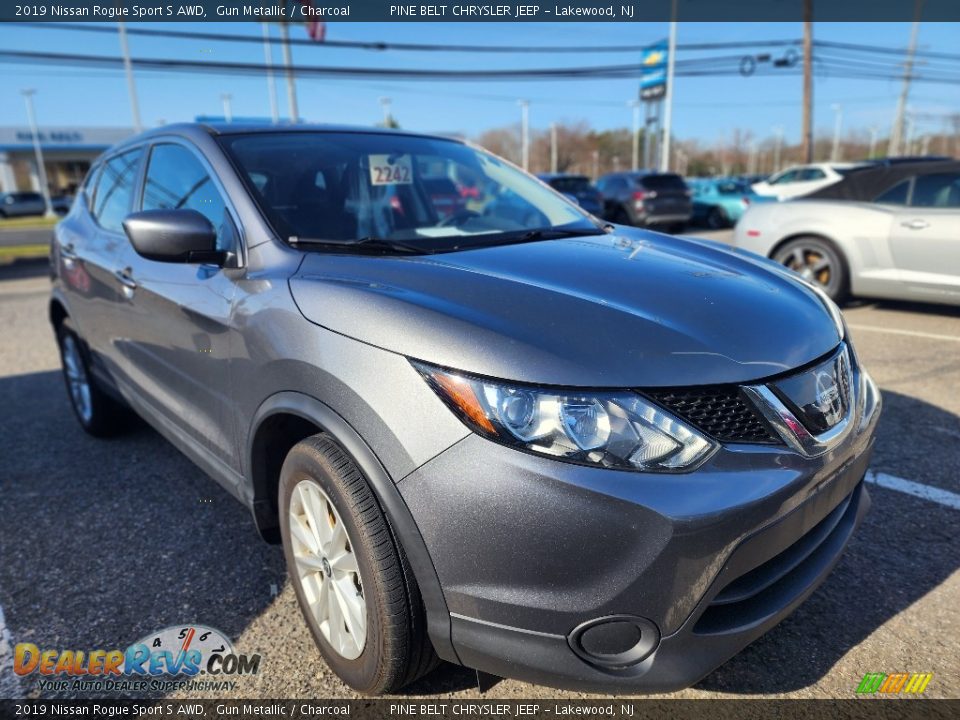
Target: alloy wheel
x=811, y=262
x=77, y=379
x=327, y=569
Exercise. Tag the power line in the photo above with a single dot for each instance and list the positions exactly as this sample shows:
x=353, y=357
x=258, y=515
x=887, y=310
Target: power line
x=416, y=47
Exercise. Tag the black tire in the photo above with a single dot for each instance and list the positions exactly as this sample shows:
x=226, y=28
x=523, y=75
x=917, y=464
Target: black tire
x=717, y=218
x=820, y=261
x=397, y=648
x=620, y=216
x=98, y=413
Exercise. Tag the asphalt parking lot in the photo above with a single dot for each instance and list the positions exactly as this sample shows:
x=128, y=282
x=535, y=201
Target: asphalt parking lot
x=102, y=542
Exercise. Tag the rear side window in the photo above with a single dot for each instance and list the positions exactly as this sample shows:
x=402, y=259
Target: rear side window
x=667, y=181
x=808, y=174
x=177, y=180
x=897, y=195
x=114, y=195
x=941, y=190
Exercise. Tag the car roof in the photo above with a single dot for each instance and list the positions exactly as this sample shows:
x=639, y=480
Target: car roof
x=560, y=176
x=194, y=129
x=871, y=180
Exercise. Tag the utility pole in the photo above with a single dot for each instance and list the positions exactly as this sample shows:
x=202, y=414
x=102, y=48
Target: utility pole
x=385, y=104
x=524, y=134
x=635, y=104
x=553, y=147
x=227, y=108
x=271, y=83
x=128, y=69
x=778, y=143
x=838, y=122
x=807, y=130
x=897, y=133
x=873, y=141
x=668, y=98
x=37, y=150
x=596, y=164
x=291, y=80
x=908, y=142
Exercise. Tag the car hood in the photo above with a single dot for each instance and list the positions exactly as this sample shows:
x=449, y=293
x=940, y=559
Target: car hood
x=630, y=309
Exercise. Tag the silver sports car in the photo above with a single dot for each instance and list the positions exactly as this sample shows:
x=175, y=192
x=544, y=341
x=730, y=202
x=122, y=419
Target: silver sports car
x=886, y=232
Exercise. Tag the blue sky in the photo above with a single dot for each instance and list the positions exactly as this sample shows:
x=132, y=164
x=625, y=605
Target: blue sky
x=705, y=108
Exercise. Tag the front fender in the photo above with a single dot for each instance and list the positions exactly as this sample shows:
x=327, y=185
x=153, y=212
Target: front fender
x=401, y=521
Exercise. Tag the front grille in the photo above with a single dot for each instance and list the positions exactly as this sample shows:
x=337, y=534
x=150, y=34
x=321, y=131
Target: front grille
x=720, y=411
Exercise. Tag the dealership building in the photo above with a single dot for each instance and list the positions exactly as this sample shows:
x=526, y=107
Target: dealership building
x=67, y=155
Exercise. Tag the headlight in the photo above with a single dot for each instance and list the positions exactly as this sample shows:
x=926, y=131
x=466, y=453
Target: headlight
x=616, y=430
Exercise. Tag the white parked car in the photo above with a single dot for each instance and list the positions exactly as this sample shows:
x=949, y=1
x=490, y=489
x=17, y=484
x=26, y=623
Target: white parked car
x=801, y=180
x=889, y=232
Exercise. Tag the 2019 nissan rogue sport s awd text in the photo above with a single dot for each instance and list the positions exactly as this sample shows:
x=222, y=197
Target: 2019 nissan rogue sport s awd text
x=577, y=454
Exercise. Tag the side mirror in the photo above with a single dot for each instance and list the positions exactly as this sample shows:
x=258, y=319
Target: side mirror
x=176, y=236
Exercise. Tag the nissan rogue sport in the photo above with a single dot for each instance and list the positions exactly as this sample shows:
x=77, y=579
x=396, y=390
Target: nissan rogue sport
x=578, y=454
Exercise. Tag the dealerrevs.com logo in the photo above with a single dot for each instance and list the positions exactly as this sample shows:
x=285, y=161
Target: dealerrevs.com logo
x=895, y=684
x=151, y=663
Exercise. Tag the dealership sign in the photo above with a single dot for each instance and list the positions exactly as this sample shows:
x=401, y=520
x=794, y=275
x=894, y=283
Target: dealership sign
x=653, y=73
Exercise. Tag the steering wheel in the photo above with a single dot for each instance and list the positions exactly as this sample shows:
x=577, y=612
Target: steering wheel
x=458, y=218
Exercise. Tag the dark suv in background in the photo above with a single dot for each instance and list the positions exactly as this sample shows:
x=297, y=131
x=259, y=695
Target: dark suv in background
x=577, y=187
x=646, y=199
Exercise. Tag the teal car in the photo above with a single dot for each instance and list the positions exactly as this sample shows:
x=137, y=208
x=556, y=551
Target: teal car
x=720, y=202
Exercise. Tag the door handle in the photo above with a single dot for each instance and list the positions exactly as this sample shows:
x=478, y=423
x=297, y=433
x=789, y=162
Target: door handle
x=915, y=224
x=128, y=283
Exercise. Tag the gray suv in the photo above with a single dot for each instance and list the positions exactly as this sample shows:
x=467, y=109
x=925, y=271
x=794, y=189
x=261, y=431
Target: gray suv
x=581, y=455
x=646, y=199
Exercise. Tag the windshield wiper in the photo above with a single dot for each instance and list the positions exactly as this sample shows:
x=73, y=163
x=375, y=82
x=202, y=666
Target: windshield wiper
x=368, y=243
x=556, y=233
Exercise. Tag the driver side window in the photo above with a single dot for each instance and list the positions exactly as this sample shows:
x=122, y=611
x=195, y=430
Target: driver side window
x=176, y=180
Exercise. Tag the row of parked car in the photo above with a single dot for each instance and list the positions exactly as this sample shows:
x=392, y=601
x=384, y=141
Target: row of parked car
x=885, y=228
x=25, y=204
x=667, y=200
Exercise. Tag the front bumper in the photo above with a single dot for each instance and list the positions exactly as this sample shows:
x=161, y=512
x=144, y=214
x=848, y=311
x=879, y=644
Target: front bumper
x=528, y=550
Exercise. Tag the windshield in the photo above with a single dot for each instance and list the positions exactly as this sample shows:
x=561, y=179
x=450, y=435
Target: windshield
x=423, y=192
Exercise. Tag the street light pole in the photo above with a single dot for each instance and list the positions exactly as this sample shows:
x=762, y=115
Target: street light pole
x=128, y=69
x=596, y=164
x=873, y=141
x=271, y=83
x=37, y=150
x=635, y=104
x=525, y=134
x=227, y=108
x=385, y=104
x=668, y=99
x=835, y=150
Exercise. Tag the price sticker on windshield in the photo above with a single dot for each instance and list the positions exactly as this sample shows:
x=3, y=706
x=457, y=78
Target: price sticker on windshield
x=391, y=170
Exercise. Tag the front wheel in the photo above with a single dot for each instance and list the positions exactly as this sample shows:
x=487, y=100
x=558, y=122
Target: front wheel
x=818, y=261
x=352, y=580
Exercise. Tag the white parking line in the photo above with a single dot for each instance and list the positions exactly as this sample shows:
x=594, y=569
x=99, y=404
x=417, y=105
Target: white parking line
x=911, y=333
x=926, y=492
